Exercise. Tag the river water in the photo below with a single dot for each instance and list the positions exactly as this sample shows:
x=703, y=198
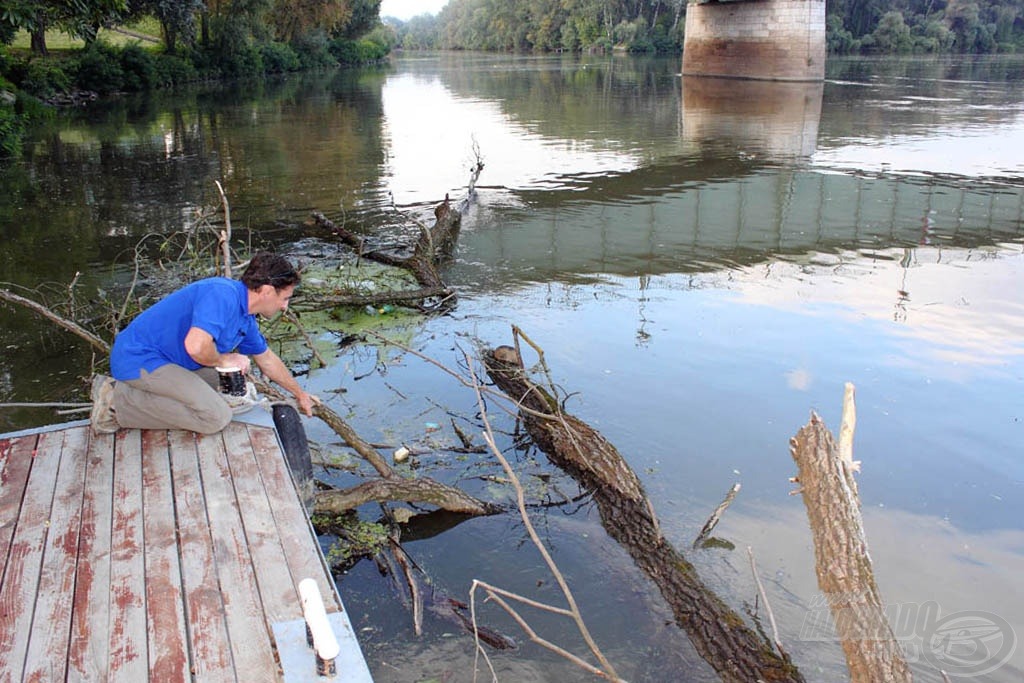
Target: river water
x=702, y=262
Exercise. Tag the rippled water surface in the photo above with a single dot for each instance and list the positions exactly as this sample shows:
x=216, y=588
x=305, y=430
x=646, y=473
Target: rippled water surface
x=703, y=263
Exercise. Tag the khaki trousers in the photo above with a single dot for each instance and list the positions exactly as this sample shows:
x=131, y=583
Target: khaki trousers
x=172, y=397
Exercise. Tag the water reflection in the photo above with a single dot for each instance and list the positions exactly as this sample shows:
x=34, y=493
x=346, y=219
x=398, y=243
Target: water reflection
x=774, y=119
x=948, y=325
x=695, y=216
x=731, y=262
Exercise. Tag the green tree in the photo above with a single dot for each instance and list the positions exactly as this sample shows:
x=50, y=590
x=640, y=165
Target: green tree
x=177, y=19
x=892, y=34
x=291, y=19
x=971, y=34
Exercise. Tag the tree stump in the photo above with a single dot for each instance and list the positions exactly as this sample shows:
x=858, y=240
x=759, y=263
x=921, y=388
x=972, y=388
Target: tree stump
x=842, y=562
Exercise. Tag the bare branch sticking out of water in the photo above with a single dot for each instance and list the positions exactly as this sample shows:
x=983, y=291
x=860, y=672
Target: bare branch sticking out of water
x=716, y=515
x=225, y=234
x=69, y=325
x=767, y=605
x=495, y=594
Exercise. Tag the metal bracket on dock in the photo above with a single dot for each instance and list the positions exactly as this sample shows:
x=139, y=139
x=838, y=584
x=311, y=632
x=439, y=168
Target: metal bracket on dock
x=319, y=646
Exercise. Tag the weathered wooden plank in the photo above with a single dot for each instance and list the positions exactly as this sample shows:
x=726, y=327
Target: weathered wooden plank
x=129, y=658
x=204, y=607
x=251, y=640
x=15, y=464
x=278, y=588
x=51, y=623
x=292, y=523
x=90, y=645
x=165, y=607
x=21, y=578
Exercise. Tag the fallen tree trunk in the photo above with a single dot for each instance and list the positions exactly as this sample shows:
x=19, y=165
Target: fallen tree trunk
x=842, y=562
x=387, y=489
x=433, y=246
x=389, y=486
x=717, y=632
x=359, y=300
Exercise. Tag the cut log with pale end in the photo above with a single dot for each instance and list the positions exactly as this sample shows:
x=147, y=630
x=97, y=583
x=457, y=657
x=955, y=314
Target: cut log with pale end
x=843, y=564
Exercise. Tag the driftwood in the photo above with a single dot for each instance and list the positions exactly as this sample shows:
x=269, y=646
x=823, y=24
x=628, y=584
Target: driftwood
x=388, y=486
x=433, y=246
x=359, y=300
x=843, y=566
x=382, y=490
x=717, y=632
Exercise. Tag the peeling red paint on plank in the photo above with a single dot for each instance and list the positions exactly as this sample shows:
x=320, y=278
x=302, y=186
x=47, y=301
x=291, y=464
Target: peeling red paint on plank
x=15, y=463
x=21, y=576
x=165, y=607
x=207, y=631
x=290, y=517
x=128, y=656
x=149, y=555
x=54, y=606
x=251, y=639
x=87, y=654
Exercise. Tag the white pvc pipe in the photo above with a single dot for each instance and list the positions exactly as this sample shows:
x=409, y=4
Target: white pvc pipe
x=324, y=642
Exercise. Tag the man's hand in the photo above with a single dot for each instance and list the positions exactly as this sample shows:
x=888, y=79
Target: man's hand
x=276, y=371
x=201, y=347
x=236, y=360
x=306, y=402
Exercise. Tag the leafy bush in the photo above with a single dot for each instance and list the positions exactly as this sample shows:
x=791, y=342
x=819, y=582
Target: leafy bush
x=99, y=69
x=138, y=67
x=235, y=55
x=363, y=51
x=11, y=129
x=171, y=70
x=44, y=78
x=837, y=39
x=7, y=32
x=278, y=58
x=642, y=46
x=313, y=50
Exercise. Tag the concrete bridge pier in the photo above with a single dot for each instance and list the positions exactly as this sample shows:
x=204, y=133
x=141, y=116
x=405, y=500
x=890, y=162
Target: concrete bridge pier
x=779, y=40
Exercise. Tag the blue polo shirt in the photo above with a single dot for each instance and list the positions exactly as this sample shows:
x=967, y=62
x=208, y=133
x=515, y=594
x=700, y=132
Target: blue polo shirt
x=156, y=337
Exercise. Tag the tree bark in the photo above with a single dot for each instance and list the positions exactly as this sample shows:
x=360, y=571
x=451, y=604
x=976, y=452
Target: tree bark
x=843, y=565
x=358, y=300
x=38, y=41
x=399, y=488
x=717, y=632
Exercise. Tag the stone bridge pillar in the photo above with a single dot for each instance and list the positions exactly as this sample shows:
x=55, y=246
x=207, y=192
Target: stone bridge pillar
x=781, y=40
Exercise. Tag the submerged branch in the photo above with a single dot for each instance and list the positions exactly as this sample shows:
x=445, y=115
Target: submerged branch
x=573, y=611
x=716, y=515
x=717, y=632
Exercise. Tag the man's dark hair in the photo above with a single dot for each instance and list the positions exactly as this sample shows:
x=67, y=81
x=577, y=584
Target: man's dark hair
x=266, y=268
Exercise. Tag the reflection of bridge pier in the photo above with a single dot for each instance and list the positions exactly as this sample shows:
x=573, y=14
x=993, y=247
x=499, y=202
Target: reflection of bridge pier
x=782, y=40
x=779, y=120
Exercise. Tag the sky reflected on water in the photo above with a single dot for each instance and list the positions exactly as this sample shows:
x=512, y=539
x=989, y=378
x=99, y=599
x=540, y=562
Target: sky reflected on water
x=425, y=121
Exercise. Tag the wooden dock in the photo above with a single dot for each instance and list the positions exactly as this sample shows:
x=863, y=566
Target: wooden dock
x=157, y=555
